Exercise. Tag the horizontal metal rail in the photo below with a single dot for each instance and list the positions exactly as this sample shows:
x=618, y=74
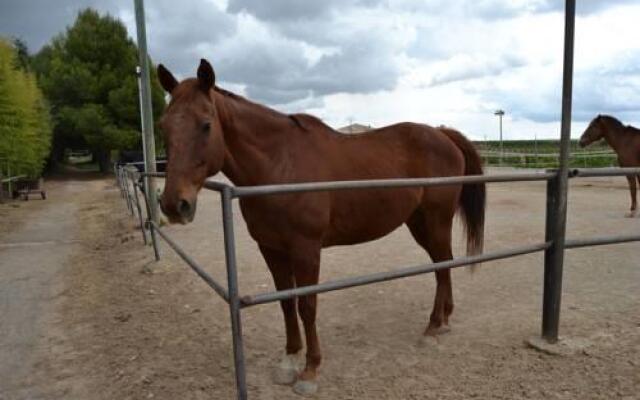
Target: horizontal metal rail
x=548, y=155
x=13, y=178
x=594, y=172
x=217, y=186
x=142, y=162
x=600, y=241
x=269, y=297
x=154, y=174
x=193, y=264
x=245, y=191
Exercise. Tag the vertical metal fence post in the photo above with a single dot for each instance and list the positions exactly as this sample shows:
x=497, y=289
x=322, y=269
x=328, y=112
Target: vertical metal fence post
x=557, y=194
x=152, y=231
x=139, y=209
x=148, y=140
x=119, y=179
x=234, y=297
x=549, y=312
x=126, y=185
x=122, y=192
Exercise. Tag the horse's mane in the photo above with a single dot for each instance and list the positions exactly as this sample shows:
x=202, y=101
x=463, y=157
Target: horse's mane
x=611, y=120
x=633, y=129
x=301, y=120
x=305, y=121
x=618, y=124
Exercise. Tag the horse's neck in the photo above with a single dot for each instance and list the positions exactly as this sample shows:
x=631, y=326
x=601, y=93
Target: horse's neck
x=616, y=137
x=253, y=136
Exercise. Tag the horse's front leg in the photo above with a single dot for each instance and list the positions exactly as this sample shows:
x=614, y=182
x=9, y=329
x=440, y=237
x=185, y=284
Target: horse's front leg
x=286, y=372
x=305, y=260
x=632, y=189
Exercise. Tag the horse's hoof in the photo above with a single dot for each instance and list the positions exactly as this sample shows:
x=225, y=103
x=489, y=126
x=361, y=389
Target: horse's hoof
x=287, y=371
x=305, y=388
x=630, y=214
x=435, y=331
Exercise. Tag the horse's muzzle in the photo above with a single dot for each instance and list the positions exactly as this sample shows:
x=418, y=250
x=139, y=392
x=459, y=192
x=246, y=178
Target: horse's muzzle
x=182, y=211
x=186, y=210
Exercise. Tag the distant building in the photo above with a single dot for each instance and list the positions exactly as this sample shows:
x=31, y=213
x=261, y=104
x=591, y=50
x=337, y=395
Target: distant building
x=355, y=128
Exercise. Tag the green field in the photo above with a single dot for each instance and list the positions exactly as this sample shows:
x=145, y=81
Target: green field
x=544, y=154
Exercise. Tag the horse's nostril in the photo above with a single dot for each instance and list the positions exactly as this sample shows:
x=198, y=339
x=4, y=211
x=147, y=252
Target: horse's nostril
x=184, y=208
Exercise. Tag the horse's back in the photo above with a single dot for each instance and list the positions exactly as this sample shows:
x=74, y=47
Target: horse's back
x=403, y=150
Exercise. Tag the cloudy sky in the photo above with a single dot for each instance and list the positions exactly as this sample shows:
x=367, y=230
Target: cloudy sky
x=376, y=62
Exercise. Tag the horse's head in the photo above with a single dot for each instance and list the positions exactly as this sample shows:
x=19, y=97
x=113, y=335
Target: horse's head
x=193, y=139
x=593, y=133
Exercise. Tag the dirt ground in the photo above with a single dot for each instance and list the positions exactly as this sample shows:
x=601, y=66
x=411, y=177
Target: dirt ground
x=126, y=327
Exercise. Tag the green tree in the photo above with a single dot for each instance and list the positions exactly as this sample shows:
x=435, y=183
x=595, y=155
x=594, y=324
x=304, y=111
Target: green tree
x=25, y=129
x=88, y=76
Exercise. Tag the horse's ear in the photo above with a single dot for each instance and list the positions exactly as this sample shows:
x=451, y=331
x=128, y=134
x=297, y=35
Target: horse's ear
x=206, y=76
x=166, y=78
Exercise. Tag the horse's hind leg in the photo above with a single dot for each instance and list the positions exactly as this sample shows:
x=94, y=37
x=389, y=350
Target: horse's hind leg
x=432, y=231
x=287, y=370
x=632, y=189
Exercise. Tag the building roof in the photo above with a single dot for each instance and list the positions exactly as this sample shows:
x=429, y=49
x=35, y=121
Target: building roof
x=355, y=128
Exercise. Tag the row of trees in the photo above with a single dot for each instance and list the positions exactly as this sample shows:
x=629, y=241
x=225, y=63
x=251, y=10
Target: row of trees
x=87, y=76
x=25, y=124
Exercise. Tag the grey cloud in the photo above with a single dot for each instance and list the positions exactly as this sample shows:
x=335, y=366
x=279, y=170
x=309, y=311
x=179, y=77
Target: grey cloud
x=37, y=21
x=179, y=35
x=276, y=96
x=361, y=66
x=276, y=71
x=283, y=10
x=476, y=68
x=583, y=7
x=174, y=33
x=609, y=90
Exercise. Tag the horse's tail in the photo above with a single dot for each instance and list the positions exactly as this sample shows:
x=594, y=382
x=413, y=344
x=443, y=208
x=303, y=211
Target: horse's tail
x=473, y=197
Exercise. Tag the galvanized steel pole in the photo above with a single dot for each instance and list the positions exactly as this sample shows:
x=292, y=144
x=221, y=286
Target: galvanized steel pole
x=557, y=202
x=234, y=295
x=146, y=111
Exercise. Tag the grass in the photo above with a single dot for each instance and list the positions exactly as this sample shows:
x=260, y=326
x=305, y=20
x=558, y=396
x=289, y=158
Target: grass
x=544, y=154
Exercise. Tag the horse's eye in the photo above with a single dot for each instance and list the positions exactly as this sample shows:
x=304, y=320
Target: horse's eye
x=206, y=127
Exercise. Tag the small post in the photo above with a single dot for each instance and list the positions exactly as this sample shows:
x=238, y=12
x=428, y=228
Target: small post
x=500, y=114
x=557, y=194
x=234, y=297
x=148, y=139
x=535, y=136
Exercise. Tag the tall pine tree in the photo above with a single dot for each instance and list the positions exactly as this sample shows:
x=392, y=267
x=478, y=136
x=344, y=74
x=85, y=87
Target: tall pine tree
x=88, y=76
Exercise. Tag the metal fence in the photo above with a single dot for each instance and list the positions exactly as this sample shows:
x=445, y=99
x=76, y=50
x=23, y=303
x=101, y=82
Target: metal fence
x=554, y=245
x=548, y=160
x=129, y=178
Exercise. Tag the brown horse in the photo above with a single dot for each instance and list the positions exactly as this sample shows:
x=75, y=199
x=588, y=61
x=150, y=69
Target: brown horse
x=625, y=141
x=208, y=129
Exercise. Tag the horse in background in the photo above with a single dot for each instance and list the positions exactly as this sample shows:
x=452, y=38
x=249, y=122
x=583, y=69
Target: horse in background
x=625, y=141
x=208, y=129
